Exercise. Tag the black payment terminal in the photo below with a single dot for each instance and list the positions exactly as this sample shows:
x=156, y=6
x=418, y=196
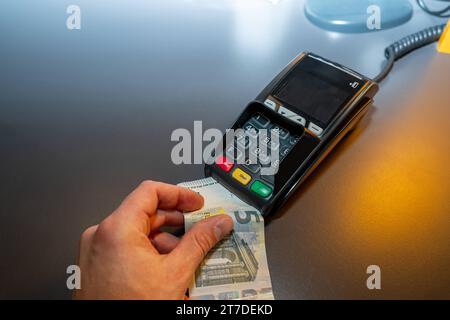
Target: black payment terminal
x=281, y=137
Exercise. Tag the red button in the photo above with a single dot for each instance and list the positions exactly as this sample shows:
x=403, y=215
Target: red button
x=224, y=164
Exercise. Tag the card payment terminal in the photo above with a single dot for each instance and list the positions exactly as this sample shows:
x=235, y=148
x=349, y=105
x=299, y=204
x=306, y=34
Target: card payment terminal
x=309, y=107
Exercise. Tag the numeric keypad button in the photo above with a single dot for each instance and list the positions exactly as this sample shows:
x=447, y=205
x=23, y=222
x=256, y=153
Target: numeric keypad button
x=280, y=131
x=251, y=130
x=272, y=145
x=233, y=153
x=261, y=120
x=245, y=142
x=293, y=139
x=262, y=155
x=253, y=167
x=284, y=151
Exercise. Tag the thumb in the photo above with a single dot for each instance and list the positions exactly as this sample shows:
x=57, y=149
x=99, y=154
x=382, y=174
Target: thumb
x=197, y=242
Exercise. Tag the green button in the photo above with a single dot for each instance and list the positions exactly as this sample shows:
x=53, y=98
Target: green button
x=261, y=189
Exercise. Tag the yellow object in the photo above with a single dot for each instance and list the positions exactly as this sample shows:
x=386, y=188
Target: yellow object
x=444, y=41
x=241, y=176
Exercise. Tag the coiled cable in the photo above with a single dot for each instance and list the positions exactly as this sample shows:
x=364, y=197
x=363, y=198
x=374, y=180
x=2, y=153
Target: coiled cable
x=410, y=43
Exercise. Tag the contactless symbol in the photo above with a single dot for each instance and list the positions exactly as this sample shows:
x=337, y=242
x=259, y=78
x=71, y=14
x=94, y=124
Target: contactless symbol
x=354, y=85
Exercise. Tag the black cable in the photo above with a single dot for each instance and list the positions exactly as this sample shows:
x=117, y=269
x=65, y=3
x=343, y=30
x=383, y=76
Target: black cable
x=443, y=13
x=410, y=43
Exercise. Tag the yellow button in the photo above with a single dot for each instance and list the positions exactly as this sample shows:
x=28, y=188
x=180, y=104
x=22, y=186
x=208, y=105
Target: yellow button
x=241, y=176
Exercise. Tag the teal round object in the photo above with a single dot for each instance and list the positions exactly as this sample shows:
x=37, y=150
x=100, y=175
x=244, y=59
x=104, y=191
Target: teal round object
x=353, y=15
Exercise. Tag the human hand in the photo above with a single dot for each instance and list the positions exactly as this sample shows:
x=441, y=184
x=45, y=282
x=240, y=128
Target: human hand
x=127, y=257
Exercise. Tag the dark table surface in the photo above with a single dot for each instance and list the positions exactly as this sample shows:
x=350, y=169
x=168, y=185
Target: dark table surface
x=85, y=115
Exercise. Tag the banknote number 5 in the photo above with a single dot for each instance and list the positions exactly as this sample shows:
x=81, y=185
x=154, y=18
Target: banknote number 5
x=244, y=217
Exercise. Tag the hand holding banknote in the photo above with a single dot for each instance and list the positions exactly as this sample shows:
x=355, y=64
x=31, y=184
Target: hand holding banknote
x=126, y=256
x=236, y=268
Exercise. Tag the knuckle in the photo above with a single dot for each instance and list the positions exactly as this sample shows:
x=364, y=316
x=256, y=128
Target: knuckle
x=88, y=233
x=147, y=184
x=105, y=232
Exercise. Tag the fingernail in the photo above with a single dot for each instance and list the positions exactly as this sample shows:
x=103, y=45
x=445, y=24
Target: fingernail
x=223, y=227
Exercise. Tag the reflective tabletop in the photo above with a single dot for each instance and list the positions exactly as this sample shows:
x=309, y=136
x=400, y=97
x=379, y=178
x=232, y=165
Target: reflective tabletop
x=85, y=115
